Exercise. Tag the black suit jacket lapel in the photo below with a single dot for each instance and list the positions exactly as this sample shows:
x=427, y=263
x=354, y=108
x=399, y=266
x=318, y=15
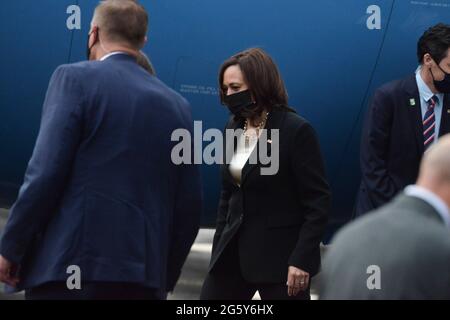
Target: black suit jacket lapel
x=230, y=146
x=251, y=165
x=413, y=102
x=445, y=118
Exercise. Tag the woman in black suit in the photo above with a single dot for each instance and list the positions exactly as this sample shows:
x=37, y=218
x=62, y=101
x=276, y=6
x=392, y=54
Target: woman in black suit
x=269, y=227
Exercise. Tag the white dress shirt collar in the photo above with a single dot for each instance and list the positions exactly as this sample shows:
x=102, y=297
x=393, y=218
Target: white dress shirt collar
x=425, y=91
x=432, y=199
x=112, y=54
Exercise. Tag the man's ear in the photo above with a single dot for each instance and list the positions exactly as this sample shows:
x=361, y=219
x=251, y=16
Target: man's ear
x=427, y=60
x=94, y=30
x=143, y=43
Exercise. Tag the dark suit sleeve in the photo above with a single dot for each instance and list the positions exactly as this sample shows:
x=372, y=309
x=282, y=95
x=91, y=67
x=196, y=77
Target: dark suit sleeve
x=49, y=167
x=375, y=150
x=222, y=209
x=188, y=210
x=313, y=194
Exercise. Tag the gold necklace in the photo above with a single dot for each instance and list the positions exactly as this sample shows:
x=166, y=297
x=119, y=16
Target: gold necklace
x=261, y=125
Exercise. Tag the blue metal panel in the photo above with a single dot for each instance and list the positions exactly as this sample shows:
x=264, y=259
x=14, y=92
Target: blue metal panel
x=330, y=60
x=35, y=41
x=324, y=49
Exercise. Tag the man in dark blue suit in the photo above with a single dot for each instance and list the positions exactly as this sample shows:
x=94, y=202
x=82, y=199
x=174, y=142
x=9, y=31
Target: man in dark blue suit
x=102, y=200
x=406, y=117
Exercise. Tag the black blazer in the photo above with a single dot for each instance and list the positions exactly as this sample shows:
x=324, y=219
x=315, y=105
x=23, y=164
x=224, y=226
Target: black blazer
x=281, y=218
x=392, y=142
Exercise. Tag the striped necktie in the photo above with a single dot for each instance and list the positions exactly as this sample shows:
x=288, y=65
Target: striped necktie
x=429, y=123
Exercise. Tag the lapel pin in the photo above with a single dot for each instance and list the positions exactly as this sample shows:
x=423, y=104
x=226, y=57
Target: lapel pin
x=412, y=102
x=270, y=141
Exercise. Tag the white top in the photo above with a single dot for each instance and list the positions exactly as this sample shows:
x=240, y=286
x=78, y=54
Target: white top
x=112, y=54
x=242, y=154
x=433, y=200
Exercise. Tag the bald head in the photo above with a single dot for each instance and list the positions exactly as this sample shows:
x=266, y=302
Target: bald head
x=122, y=21
x=435, y=169
x=436, y=162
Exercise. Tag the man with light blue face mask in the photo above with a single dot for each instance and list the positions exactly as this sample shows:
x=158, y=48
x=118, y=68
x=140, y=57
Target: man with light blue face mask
x=405, y=119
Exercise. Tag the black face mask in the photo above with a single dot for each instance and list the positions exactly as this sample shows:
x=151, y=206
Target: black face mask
x=443, y=86
x=88, y=52
x=239, y=103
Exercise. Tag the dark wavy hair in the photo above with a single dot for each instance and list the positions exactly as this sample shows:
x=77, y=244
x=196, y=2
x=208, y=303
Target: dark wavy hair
x=263, y=80
x=435, y=41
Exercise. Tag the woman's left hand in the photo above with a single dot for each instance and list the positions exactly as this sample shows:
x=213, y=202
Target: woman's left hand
x=298, y=280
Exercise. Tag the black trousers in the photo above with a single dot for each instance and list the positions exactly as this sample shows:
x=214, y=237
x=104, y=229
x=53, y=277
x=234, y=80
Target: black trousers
x=92, y=291
x=225, y=282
